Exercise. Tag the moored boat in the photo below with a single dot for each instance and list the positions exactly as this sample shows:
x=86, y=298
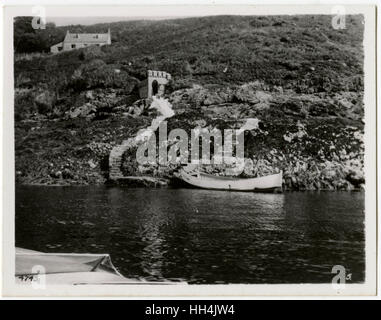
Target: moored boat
x=70, y=269
x=270, y=183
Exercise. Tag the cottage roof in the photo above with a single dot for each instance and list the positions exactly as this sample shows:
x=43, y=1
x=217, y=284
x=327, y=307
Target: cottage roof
x=87, y=37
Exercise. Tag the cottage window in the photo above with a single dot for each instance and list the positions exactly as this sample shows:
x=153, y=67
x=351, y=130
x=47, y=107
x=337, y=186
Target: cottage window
x=73, y=46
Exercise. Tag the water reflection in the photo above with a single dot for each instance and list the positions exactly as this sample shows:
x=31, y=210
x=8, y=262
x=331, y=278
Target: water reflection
x=197, y=235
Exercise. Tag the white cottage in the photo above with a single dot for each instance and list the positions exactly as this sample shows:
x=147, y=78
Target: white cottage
x=81, y=40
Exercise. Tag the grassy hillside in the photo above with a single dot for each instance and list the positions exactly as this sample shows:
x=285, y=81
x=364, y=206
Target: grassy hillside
x=295, y=73
x=300, y=52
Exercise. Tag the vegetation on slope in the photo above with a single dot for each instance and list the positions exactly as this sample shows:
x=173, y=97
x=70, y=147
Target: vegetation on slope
x=294, y=73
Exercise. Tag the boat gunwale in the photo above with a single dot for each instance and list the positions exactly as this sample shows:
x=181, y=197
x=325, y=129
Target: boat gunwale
x=211, y=176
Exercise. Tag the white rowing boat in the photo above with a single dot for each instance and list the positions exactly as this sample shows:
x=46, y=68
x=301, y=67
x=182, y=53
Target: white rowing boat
x=268, y=183
x=34, y=267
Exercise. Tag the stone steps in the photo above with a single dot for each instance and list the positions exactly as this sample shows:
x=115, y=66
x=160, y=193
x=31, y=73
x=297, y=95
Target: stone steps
x=115, y=159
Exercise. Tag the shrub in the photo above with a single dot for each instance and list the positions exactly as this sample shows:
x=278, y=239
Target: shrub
x=97, y=74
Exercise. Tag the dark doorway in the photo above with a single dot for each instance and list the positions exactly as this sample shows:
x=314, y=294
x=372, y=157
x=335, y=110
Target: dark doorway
x=155, y=87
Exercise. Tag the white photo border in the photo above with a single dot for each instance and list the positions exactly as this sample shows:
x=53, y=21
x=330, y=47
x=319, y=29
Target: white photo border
x=191, y=291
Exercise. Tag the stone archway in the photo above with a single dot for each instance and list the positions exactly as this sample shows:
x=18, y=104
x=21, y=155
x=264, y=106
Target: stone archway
x=155, y=87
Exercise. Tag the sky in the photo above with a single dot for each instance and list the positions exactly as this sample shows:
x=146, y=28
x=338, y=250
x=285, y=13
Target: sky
x=65, y=21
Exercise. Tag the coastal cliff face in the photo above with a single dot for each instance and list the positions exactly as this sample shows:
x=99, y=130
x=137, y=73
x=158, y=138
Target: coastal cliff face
x=298, y=76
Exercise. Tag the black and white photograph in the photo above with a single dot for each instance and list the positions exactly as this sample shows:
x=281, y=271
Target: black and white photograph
x=189, y=149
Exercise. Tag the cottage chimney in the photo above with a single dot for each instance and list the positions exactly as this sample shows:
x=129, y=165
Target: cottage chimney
x=108, y=36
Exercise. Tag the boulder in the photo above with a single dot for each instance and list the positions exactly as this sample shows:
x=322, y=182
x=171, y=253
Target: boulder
x=89, y=95
x=218, y=96
x=45, y=101
x=82, y=111
x=356, y=178
x=92, y=164
x=56, y=174
x=251, y=93
x=246, y=93
x=67, y=174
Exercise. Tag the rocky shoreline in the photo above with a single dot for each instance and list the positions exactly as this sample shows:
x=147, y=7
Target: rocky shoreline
x=315, y=152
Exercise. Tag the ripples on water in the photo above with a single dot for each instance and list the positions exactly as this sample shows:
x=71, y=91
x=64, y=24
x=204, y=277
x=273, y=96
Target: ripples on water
x=199, y=236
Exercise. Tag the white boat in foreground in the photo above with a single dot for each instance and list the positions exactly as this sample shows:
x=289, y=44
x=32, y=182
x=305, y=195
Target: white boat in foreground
x=70, y=269
x=269, y=183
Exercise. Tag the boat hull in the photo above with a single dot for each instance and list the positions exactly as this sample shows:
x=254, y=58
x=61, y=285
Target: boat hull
x=70, y=269
x=271, y=183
